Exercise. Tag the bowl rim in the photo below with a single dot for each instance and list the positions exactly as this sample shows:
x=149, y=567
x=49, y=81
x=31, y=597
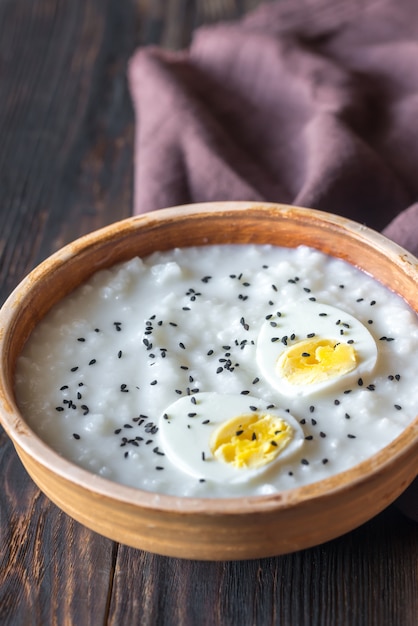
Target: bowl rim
x=25, y=438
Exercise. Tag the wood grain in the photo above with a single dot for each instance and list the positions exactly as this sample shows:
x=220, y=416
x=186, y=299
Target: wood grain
x=66, y=129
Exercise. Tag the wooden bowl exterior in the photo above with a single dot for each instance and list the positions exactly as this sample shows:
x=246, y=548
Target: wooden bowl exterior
x=209, y=529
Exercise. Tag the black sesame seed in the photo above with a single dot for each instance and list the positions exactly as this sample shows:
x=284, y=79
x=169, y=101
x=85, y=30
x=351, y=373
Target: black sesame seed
x=81, y=339
x=59, y=408
x=397, y=407
x=182, y=346
x=311, y=408
x=324, y=461
x=92, y=362
x=309, y=437
x=360, y=382
x=322, y=434
x=76, y=436
x=239, y=432
x=273, y=443
x=304, y=461
x=74, y=369
x=159, y=468
x=351, y=436
x=347, y=416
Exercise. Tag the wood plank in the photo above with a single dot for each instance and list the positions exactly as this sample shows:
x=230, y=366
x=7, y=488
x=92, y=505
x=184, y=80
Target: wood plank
x=363, y=578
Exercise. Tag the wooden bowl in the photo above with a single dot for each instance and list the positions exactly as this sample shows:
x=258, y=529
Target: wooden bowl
x=218, y=529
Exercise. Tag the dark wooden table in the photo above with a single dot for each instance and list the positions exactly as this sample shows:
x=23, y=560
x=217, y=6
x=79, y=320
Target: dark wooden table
x=66, y=143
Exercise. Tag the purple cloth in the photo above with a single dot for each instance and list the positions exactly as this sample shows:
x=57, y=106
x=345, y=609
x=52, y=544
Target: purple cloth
x=311, y=102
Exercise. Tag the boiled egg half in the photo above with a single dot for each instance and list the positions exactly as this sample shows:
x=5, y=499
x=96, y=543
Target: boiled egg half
x=307, y=347
x=227, y=437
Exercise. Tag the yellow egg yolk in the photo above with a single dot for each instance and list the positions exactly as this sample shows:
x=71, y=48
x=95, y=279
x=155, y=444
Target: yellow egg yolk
x=251, y=441
x=316, y=360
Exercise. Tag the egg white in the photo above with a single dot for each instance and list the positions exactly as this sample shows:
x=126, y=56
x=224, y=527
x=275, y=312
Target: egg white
x=294, y=323
x=186, y=434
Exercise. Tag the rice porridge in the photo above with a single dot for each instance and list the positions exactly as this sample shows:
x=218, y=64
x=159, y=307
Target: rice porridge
x=222, y=371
